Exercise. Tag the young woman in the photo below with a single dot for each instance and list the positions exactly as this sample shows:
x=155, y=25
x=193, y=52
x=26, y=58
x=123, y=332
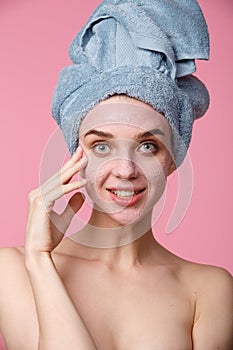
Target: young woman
x=127, y=124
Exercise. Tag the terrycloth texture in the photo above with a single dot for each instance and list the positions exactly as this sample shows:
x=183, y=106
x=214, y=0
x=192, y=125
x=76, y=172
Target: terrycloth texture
x=145, y=49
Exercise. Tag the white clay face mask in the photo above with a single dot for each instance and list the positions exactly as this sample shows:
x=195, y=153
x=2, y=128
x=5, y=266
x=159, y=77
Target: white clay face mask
x=126, y=145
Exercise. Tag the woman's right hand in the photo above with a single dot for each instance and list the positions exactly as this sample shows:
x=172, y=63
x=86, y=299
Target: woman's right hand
x=59, y=323
x=45, y=228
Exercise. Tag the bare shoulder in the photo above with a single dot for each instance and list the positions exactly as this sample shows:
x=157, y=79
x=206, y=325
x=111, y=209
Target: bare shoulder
x=215, y=287
x=213, y=321
x=218, y=276
x=210, y=284
x=12, y=273
x=11, y=252
x=11, y=259
x=209, y=278
x=17, y=310
x=202, y=277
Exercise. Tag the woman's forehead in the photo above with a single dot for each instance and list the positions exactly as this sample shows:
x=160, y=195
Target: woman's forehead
x=116, y=115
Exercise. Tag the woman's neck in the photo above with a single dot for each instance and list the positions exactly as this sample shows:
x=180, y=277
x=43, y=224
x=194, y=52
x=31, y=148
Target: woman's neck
x=119, y=246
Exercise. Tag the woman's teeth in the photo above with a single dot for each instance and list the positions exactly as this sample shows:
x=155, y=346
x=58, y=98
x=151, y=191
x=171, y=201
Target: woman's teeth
x=124, y=194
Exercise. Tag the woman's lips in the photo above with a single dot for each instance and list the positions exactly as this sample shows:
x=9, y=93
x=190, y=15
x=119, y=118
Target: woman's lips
x=125, y=197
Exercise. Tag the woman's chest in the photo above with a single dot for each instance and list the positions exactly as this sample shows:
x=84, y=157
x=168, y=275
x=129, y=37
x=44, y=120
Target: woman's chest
x=132, y=314
x=144, y=326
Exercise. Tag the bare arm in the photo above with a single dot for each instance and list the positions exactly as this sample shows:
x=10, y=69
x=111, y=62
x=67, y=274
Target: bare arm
x=213, y=328
x=60, y=325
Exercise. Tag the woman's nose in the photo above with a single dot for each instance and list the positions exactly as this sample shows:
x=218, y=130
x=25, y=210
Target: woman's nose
x=125, y=169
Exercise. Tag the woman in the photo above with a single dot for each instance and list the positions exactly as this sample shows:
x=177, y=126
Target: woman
x=74, y=292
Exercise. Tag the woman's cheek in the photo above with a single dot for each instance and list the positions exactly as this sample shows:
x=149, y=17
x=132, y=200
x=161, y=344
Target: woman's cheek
x=156, y=178
x=95, y=172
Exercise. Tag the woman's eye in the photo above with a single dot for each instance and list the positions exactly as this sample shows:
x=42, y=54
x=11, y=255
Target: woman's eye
x=148, y=147
x=101, y=148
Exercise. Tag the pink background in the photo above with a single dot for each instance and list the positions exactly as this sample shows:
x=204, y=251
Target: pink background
x=35, y=35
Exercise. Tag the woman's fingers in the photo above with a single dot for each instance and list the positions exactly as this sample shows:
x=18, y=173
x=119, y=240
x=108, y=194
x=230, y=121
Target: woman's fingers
x=62, y=178
x=73, y=162
x=70, y=172
x=61, y=222
x=59, y=184
x=50, y=197
x=78, y=154
x=44, y=232
x=73, y=206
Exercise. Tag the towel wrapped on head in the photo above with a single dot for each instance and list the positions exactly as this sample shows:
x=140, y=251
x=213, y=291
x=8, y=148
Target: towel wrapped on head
x=145, y=49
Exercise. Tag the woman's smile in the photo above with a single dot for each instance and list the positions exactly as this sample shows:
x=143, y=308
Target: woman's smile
x=126, y=197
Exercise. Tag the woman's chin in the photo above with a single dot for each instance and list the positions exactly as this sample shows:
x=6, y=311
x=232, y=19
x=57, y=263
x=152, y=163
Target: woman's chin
x=124, y=217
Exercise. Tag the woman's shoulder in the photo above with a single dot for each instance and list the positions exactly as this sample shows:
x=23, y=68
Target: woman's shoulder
x=12, y=268
x=17, y=312
x=11, y=254
x=12, y=271
x=197, y=273
x=212, y=293
x=211, y=288
x=216, y=282
x=203, y=273
x=206, y=276
x=11, y=264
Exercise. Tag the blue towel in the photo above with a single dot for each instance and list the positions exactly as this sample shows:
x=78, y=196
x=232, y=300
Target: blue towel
x=145, y=49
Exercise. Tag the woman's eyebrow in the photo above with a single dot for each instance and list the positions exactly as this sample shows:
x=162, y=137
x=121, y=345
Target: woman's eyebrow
x=139, y=136
x=150, y=133
x=100, y=134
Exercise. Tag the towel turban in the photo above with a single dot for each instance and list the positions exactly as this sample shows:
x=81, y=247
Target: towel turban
x=145, y=49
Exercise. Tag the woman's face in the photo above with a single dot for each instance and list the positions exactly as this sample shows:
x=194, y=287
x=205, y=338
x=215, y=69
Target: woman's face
x=128, y=146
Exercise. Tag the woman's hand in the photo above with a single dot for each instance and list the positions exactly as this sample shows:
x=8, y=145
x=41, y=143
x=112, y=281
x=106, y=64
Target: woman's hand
x=45, y=228
x=60, y=325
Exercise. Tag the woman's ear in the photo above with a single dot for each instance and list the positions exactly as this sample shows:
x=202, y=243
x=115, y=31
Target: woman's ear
x=171, y=168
